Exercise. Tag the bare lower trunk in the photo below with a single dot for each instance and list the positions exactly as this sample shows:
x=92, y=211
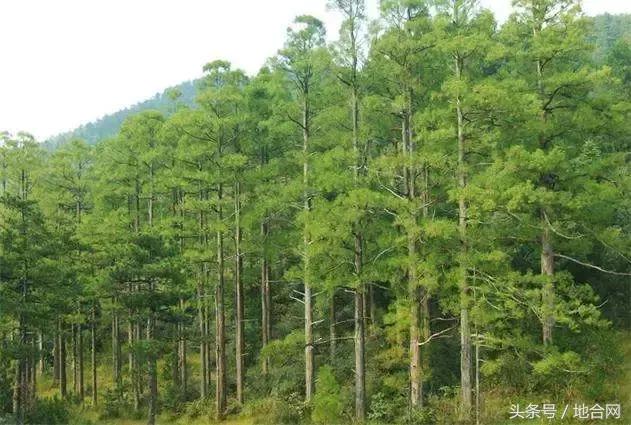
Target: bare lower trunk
x=56, y=358
x=332, y=336
x=416, y=382
x=153, y=372
x=93, y=357
x=547, y=269
x=203, y=335
x=18, y=392
x=116, y=347
x=465, y=329
x=360, y=375
x=182, y=347
x=309, y=355
x=265, y=306
x=81, y=382
x=220, y=335
x=239, y=343
x=40, y=353
x=63, y=390
x=75, y=362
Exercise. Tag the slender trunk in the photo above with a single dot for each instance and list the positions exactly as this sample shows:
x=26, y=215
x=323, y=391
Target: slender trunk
x=332, y=336
x=203, y=343
x=239, y=343
x=309, y=355
x=373, y=309
x=93, y=356
x=547, y=269
x=18, y=394
x=80, y=361
x=220, y=335
x=360, y=376
x=153, y=371
x=182, y=353
x=547, y=250
x=416, y=383
x=40, y=353
x=63, y=390
x=116, y=348
x=75, y=362
x=465, y=330
x=265, y=300
x=56, y=358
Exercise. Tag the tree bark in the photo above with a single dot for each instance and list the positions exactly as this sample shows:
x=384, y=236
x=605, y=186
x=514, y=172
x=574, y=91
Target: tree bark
x=56, y=358
x=93, y=357
x=63, y=390
x=116, y=347
x=465, y=328
x=309, y=355
x=547, y=269
x=182, y=347
x=220, y=332
x=265, y=299
x=332, y=336
x=239, y=343
x=81, y=381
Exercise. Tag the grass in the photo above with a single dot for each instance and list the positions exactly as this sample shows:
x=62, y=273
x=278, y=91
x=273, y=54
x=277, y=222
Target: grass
x=495, y=406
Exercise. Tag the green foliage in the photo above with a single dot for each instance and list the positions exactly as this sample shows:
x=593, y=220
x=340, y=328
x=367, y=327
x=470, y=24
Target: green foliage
x=433, y=180
x=53, y=411
x=327, y=404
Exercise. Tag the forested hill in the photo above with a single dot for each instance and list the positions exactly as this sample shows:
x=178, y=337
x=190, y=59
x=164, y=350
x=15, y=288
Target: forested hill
x=110, y=124
x=606, y=30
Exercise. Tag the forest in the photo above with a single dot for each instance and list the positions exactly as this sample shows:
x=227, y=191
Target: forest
x=427, y=221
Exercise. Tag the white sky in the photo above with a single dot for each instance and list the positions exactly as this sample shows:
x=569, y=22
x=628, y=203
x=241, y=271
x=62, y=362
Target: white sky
x=68, y=62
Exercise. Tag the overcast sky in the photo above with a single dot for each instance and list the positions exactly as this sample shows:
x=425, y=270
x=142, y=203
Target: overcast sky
x=68, y=62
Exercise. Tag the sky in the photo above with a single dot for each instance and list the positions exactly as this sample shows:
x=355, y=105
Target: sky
x=68, y=62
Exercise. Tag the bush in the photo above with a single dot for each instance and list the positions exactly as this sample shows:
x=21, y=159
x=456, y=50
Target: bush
x=327, y=402
x=275, y=411
x=203, y=407
x=114, y=404
x=423, y=416
x=381, y=410
x=50, y=411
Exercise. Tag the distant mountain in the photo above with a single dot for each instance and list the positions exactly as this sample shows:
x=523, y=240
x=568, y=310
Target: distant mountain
x=110, y=124
x=607, y=30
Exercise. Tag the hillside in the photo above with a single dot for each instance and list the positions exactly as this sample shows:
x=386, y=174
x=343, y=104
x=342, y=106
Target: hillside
x=606, y=31
x=108, y=125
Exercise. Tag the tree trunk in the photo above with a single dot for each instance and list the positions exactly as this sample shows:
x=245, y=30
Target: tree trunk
x=40, y=353
x=239, y=343
x=63, y=390
x=416, y=382
x=309, y=355
x=93, y=357
x=18, y=392
x=203, y=334
x=360, y=378
x=153, y=371
x=56, y=358
x=75, y=362
x=182, y=353
x=332, y=336
x=465, y=329
x=220, y=335
x=265, y=300
x=116, y=347
x=81, y=381
x=547, y=269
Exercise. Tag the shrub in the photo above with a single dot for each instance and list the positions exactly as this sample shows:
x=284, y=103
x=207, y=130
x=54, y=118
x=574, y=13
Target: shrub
x=50, y=411
x=327, y=402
